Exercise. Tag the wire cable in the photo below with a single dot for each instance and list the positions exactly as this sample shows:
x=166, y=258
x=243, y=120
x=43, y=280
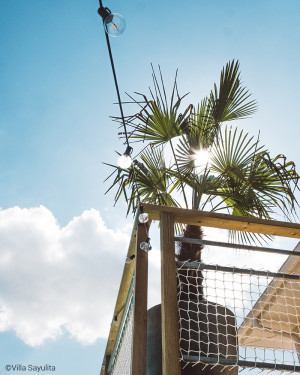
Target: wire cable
x=123, y=120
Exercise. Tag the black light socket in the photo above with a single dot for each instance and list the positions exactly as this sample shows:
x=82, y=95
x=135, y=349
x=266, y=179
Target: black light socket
x=104, y=12
x=128, y=151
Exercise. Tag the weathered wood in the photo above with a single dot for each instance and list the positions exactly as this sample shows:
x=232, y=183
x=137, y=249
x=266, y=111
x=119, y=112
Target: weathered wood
x=107, y=359
x=225, y=221
x=122, y=295
x=139, y=341
x=169, y=310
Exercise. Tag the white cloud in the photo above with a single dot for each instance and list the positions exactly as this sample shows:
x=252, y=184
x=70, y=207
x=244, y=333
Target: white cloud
x=56, y=279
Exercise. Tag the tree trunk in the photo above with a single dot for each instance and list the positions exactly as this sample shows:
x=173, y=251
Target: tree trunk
x=207, y=328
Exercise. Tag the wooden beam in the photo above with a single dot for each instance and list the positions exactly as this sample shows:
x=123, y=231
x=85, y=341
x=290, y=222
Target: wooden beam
x=139, y=341
x=107, y=359
x=121, y=299
x=225, y=221
x=169, y=309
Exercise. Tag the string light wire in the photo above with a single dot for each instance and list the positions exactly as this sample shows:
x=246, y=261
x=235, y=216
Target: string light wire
x=123, y=121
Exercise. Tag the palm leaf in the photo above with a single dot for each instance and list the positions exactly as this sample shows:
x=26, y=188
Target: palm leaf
x=231, y=100
x=160, y=121
x=148, y=181
x=253, y=184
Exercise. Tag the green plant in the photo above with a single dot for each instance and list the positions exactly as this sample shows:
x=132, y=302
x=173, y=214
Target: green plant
x=240, y=176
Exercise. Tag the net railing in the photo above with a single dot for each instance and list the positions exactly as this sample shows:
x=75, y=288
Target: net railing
x=120, y=362
x=233, y=317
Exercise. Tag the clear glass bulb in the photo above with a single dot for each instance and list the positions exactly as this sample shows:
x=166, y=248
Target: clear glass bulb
x=129, y=259
x=145, y=246
x=124, y=161
x=143, y=218
x=114, y=24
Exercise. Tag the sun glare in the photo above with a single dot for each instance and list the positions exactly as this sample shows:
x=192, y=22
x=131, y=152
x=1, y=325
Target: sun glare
x=201, y=160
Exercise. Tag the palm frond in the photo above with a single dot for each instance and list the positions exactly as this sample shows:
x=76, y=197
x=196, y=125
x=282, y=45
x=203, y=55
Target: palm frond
x=231, y=100
x=148, y=180
x=253, y=184
x=159, y=121
x=248, y=237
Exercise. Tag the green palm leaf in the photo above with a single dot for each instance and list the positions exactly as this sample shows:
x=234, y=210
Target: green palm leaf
x=148, y=180
x=253, y=184
x=231, y=100
x=228, y=102
x=159, y=121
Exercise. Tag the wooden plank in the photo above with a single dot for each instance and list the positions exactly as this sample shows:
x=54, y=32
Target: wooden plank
x=107, y=358
x=225, y=221
x=139, y=340
x=121, y=299
x=169, y=309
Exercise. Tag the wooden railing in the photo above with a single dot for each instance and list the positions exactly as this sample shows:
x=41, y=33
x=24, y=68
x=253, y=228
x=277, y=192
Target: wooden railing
x=168, y=216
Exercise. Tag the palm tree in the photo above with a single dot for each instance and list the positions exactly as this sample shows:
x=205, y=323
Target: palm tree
x=240, y=177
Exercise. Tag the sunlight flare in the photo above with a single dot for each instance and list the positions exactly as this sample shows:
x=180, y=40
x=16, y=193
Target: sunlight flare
x=201, y=159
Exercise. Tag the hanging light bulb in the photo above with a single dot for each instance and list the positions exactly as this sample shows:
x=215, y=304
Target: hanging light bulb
x=114, y=23
x=143, y=217
x=146, y=246
x=125, y=160
x=129, y=259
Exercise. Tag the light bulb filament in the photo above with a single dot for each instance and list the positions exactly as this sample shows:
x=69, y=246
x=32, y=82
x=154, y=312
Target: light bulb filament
x=114, y=25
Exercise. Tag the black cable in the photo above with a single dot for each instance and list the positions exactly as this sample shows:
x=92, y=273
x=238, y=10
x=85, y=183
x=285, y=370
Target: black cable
x=122, y=116
x=116, y=84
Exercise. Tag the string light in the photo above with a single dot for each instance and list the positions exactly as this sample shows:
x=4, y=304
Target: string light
x=129, y=259
x=125, y=160
x=143, y=217
x=114, y=25
x=146, y=246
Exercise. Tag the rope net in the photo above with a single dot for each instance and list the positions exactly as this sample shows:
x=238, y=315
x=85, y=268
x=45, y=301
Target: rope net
x=120, y=363
x=236, y=317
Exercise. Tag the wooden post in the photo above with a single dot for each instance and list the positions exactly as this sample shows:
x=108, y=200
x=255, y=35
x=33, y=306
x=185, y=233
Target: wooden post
x=107, y=359
x=139, y=341
x=169, y=309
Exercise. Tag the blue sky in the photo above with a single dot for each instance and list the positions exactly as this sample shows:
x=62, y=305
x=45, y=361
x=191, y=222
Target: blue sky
x=56, y=96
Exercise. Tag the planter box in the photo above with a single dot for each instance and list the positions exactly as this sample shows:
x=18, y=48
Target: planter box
x=207, y=330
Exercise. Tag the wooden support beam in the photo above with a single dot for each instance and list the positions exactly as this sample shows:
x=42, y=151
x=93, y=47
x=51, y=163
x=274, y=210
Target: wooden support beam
x=122, y=295
x=107, y=359
x=225, y=221
x=139, y=341
x=169, y=309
